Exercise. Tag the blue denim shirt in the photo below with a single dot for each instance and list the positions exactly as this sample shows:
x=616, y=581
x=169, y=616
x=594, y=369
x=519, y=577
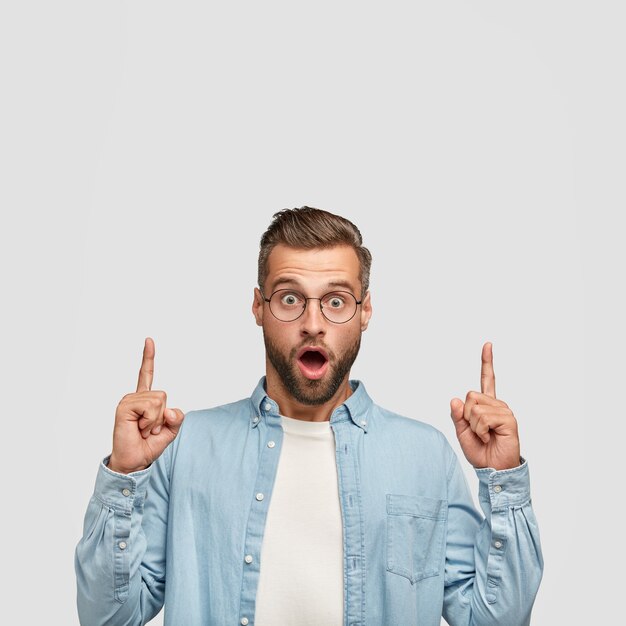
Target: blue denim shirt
x=415, y=548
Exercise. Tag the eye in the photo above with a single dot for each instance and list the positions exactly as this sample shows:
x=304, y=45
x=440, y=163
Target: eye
x=334, y=301
x=290, y=299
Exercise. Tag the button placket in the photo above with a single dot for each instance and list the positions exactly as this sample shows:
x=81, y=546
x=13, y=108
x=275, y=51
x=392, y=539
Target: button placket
x=349, y=493
x=269, y=432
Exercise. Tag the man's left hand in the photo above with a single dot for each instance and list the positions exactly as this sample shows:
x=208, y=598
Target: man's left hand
x=486, y=427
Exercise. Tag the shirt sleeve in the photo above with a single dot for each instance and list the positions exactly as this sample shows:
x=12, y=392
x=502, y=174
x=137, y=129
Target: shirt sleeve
x=120, y=559
x=493, y=565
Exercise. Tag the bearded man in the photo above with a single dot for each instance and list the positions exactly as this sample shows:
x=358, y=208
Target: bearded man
x=307, y=504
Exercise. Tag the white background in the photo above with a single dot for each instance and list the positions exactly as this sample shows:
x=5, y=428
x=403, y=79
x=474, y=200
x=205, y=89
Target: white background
x=479, y=146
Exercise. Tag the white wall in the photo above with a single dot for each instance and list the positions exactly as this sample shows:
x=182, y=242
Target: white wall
x=480, y=148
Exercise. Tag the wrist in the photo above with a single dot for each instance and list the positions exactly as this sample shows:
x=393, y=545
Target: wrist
x=112, y=464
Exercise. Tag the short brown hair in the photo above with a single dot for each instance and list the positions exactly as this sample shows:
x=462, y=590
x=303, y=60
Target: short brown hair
x=308, y=228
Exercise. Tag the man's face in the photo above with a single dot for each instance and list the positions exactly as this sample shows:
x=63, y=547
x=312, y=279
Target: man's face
x=312, y=377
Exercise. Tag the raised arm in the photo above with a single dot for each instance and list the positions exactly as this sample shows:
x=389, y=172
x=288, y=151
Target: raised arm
x=493, y=569
x=120, y=559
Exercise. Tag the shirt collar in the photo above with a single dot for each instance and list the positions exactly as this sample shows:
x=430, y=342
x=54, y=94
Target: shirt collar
x=356, y=407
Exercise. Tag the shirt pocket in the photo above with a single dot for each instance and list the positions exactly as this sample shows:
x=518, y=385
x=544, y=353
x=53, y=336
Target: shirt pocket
x=416, y=527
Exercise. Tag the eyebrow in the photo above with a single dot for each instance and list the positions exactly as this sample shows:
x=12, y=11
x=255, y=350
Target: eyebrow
x=294, y=281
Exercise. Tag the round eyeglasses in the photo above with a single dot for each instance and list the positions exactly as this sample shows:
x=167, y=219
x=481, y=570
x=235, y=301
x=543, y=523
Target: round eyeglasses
x=337, y=307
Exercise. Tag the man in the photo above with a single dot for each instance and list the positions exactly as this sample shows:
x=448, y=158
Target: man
x=308, y=504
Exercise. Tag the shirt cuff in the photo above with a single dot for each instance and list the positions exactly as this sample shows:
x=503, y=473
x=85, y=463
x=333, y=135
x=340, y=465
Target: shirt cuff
x=121, y=492
x=504, y=488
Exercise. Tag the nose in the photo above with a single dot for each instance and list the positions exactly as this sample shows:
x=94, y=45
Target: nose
x=312, y=322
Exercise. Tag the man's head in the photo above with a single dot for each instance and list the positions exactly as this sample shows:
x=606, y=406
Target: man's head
x=310, y=253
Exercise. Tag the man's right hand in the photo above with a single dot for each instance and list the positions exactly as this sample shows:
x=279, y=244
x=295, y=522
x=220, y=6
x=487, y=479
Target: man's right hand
x=144, y=427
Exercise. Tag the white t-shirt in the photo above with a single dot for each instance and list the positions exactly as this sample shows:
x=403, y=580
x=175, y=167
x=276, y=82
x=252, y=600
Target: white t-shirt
x=301, y=567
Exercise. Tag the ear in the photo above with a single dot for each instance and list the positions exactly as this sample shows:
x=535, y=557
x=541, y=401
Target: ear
x=366, y=311
x=258, y=306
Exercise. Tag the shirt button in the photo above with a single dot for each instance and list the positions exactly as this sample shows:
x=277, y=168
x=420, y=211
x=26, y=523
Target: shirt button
x=126, y=492
x=255, y=419
x=498, y=488
x=244, y=621
x=122, y=545
x=259, y=496
x=363, y=423
x=268, y=406
x=248, y=558
x=270, y=444
x=498, y=544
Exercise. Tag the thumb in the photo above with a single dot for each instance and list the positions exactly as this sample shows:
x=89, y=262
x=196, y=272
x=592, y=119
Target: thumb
x=166, y=433
x=457, y=408
x=173, y=419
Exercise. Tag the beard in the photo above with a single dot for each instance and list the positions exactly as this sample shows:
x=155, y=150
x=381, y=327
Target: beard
x=304, y=390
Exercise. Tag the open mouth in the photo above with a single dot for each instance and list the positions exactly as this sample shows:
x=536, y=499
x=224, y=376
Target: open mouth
x=312, y=362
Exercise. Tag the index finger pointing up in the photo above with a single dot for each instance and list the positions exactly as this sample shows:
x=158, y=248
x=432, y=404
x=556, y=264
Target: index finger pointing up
x=487, y=377
x=146, y=373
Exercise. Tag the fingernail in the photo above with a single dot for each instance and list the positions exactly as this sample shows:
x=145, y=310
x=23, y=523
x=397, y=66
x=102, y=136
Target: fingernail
x=156, y=430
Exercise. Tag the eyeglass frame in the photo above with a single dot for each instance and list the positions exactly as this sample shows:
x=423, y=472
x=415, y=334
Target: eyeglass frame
x=306, y=301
